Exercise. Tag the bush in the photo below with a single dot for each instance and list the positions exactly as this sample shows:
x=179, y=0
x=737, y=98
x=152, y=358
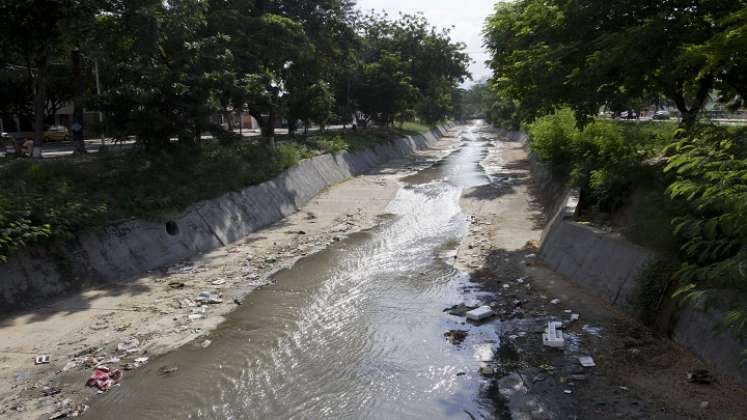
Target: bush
x=604, y=163
x=550, y=138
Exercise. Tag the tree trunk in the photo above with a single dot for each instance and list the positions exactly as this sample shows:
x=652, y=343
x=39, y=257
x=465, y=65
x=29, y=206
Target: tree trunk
x=79, y=145
x=690, y=113
x=268, y=129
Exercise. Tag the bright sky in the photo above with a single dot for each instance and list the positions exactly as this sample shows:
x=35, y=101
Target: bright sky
x=467, y=17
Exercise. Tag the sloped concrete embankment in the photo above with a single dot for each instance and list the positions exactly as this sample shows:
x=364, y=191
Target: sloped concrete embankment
x=126, y=249
x=610, y=266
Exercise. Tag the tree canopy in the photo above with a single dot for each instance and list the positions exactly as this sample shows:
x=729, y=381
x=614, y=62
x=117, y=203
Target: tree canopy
x=168, y=67
x=583, y=54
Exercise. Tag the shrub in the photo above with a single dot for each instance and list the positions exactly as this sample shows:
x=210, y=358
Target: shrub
x=550, y=138
x=604, y=163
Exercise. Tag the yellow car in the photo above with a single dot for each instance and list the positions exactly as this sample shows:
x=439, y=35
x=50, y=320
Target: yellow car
x=56, y=133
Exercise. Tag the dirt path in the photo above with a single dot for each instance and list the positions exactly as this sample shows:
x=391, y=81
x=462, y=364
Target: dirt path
x=638, y=375
x=154, y=310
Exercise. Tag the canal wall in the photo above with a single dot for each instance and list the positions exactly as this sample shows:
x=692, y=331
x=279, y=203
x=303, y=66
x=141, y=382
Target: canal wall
x=123, y=250
x=610, y=266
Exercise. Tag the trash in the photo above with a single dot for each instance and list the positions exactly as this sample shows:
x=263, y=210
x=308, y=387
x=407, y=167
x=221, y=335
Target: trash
x=176, y=285
x=48, y=391
x=167, y=370
x=22, y=376
x=237, y=301
x=481, y=313
x=567, y=391
x=552, y=337
x=209, y=298
x=459, y=310
x=575, y=317
x=555, y=301
x=70, y=365
x=522, y=279
x=141, y=360
x=205, y=344
x=456, y=336
x=198, y=313
x=42, y=359
x=219, y=282
x=700, y=376
x=487, y=371
x=586, y=361
x=76, y=411
x=705, y=404
x=103, y=378
x=129, y=345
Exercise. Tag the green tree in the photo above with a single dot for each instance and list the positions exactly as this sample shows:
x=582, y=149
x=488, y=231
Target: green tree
x=547, y=54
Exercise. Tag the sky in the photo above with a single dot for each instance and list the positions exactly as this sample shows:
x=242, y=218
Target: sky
x=467, y=17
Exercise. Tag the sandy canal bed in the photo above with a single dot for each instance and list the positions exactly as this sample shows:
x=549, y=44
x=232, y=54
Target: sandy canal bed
x=82, y=330
x=639, y=375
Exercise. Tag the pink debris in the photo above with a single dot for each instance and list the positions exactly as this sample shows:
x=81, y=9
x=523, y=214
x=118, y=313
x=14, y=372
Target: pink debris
x=103, y=378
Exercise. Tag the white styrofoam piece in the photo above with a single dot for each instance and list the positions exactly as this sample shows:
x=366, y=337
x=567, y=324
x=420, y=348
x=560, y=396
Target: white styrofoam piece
x=586, y=361
x=481, y=313
x=552, y=336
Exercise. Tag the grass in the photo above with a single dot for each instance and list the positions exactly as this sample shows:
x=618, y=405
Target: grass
x=53, y=199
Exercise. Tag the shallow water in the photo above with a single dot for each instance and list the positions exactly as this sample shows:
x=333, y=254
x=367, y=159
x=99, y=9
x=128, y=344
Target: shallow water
x=355, y=331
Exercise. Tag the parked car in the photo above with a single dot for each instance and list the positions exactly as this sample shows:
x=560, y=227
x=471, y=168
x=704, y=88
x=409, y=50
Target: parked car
x=56, y=133
x=662, y=115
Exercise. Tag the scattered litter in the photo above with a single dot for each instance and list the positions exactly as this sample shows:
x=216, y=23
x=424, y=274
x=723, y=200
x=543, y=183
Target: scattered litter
x=705, y=404
x=237, y=301
x=459, y=310
x=456, y=336
x=555, y=301
x=567, y=311
x=167, y=370
x=176, y=285
x=553, y=337
x=141, y=360
x=75, y=411
x=487, y=371
x=209, y=298
x=522, y=279
x=575, y=317
x=506, y=286
x=567, y=391
x=624, y=388
x=220, y=282
x=700, y=376
x=129, y=345
x=70, y=365
x=205, y=344
x=48, y=391
x=103, y=378
x=481, y=313
x=586, y=361
x=42, y=359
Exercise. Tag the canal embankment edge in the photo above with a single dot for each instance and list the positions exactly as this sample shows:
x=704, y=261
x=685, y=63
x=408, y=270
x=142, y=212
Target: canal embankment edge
x=129, y=248
x=610, y=266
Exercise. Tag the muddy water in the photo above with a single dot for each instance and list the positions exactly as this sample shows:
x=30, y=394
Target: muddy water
x=355, y=331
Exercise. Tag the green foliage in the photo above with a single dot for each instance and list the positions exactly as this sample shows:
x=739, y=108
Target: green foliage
x=709, y=168
x=604, y=163
x=551, y=53
x=600, y=159
x=550, y=138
